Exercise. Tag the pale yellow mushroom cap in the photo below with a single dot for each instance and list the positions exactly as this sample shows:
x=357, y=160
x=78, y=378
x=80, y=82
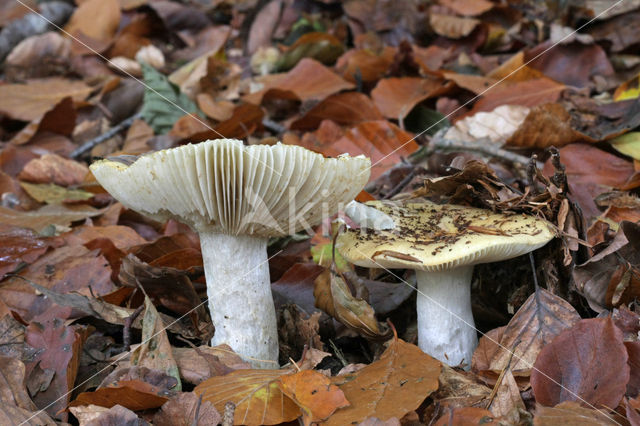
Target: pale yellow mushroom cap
x=432, y=237
x=224, y=186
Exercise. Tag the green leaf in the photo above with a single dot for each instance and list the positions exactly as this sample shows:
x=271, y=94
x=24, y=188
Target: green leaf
x=163, y=102
x=628, y=144
x=421, y=118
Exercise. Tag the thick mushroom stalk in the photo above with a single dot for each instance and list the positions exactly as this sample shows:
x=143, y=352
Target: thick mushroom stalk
x=236, y=197
x=447, y=331
x=239, y=292
x=441, y=243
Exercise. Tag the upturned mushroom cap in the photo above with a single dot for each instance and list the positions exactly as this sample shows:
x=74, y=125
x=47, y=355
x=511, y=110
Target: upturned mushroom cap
x=223, y=186
x=432, y=237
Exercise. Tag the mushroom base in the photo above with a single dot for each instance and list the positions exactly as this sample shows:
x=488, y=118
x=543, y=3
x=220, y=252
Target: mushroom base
x=446, y=330
x=240, y=300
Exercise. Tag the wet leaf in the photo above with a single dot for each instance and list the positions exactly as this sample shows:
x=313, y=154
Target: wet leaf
x=538, y=321
x=334, y=297
x=586, y=363
x=391, y=387
x=19, y=245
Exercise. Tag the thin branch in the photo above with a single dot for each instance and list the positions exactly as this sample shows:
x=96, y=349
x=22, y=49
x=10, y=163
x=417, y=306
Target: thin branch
x=88, y=145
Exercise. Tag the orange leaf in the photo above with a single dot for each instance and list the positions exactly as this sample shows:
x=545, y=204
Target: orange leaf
x=132, y=394
x=468, y=7
x=256, y=394
x=314, y=394
x=96, y=22
x=308, y=80
x=396, y=97
x=370, y=66
x=391, y=387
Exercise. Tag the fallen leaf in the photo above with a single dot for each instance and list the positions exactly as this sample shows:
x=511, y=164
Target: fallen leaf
x=18, y=246
x=313, y=392
x=308, y=80
x=466, y=416
x=13, y=390
x=383, y=142
x=12, y=415
x=507, y=402
x=396, y=384
x=185, y=409
x=633, y=349
x=547, y=125
x=538, y=321
x=528, y=93
x=460, y=389
x=218, y=110
x=334, y=297
x=123, y=237
x=452, y=26
x=396, y=97
x=94, y=415
x=571, y=413
x=54, y=194
x=323, y=47
x=155, y=350
x=30, y=101
x=50, y=219
x=132, y=394
x=55, y=350
x=95, y=22
x=347, y=109
x=630, y=89
x=496, y=126
x=365, y=64
x=586, y=61
x=586, y=363
x=296, y=286
x=628, y=144
x=198, y=364
x=61, y=119
x=51, y=168
x=255, y=393
x=468, y=7
x=246, y=118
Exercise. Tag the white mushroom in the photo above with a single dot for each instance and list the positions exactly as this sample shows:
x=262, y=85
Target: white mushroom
x=236, y=197
x=442, y=243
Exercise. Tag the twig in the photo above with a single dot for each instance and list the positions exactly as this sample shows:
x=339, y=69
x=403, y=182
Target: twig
x=482, y=146
x=126, y=332
x=106, y=135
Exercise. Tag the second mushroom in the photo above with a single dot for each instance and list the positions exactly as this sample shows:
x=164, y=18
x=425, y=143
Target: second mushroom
x=442, y=243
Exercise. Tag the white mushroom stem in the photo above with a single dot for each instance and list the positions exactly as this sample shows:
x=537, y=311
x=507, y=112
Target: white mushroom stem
x=240, y=300
x=446, y=330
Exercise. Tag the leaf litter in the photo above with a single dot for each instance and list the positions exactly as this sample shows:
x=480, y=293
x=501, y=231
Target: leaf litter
x=481, y=103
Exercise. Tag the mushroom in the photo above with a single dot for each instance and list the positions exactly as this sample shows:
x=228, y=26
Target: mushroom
x=236, y=197
x=442, y=243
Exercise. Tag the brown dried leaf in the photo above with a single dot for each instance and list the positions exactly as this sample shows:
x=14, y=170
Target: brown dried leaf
x=570, y=413
x=538, y=321
x=12, y=415
x=94, y=415
x=61, y=119
x=507, y=402
x=547, y=125
x=256, y=394
x=186, y=409
x=12, y=384
x=633, y=349
x=391, y=387
x=132, y=394
x=334, y=297
x=468, y=7
x=586, y=363
x=30, y=101
x=365, y=63
x=123, y=237
x=347, y=109
x=452, y=26
x=198, y=364
x=396, y=97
